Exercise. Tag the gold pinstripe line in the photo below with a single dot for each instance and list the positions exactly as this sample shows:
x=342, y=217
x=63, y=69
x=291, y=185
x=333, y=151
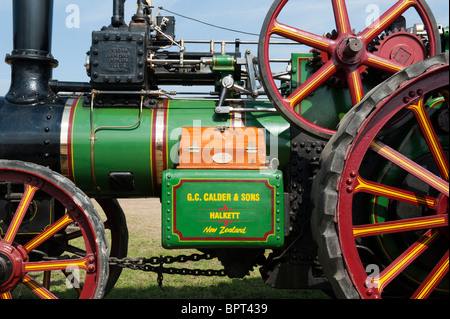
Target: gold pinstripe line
x=294, y=101
x=388, y=18
x=367, y=186
x=284, y=31
x=429, y=178
x=36, y=241
x=358, y=86
x=376, y=229
x=5, y=295
x=390, y=66
x=71, y=159
x=341, y=16
x=36, y=288
x=399, y=264
x=419, y=110
x=40, y=266
x=436, y=276
x=30, y=190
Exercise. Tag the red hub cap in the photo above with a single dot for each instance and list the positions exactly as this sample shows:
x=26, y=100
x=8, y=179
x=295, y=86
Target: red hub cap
x=11, y=264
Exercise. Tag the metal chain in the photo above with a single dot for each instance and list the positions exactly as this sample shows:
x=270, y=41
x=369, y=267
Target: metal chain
x=145, y=264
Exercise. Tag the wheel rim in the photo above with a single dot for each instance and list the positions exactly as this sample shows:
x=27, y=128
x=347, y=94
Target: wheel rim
x=374, y=278
x=116, y=224
x=348, y=54
x=83, y=262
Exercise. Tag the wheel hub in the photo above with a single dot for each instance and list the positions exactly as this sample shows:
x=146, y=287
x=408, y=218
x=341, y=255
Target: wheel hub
x=5, y=265
x=11, y=260
x=350, y=50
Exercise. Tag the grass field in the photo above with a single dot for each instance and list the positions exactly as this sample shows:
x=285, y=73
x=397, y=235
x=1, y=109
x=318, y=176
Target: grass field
x=144, y=224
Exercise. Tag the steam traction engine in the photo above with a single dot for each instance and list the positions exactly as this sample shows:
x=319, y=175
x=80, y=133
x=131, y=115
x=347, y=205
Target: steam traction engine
x=253, y=181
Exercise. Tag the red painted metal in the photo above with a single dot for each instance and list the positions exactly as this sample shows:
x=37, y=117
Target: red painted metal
x=348, y=187
x=348, y=52
x=402, y=46
x=18, y=254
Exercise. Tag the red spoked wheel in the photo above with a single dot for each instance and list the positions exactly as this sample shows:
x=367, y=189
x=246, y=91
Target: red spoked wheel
x=347, y=54
x=381, y=215
x=72, y=250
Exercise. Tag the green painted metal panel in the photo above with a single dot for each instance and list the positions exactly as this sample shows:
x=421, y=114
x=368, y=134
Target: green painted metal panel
x=328, y=104
x=150, y=147
x=222, y=208
x=115, y=149
x=223, y=63
x=445, y=39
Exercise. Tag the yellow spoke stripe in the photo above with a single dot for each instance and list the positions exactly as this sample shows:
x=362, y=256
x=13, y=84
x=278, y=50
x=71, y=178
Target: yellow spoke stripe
x=6, y=295
x=401, y=225
x=394, y=193
x=430, y=136
x=37, y=289
x=381, y=25
x=389, y=65
x=433, y=279
x=357, y=85
x=312, y=82
x=55, y=265
x=414, y=251
x=35, y=242
x=20, y=213
x=296, y=35
x=341, y=15
x=410, y=166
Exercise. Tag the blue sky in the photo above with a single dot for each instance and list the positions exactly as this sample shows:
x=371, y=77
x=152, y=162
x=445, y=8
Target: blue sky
x=70, y=44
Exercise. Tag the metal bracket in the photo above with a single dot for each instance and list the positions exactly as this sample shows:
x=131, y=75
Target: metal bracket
x=228, y=84
x=231, y=109
x=249, y=57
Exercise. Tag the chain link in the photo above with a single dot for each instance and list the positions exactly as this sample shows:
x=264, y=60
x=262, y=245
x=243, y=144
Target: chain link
x=146, y=264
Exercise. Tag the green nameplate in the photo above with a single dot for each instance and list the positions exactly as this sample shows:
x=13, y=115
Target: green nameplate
x=222, y=208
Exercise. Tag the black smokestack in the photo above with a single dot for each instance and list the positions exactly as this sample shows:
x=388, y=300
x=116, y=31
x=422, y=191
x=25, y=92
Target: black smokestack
x=117, y=19
x=31, y=60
